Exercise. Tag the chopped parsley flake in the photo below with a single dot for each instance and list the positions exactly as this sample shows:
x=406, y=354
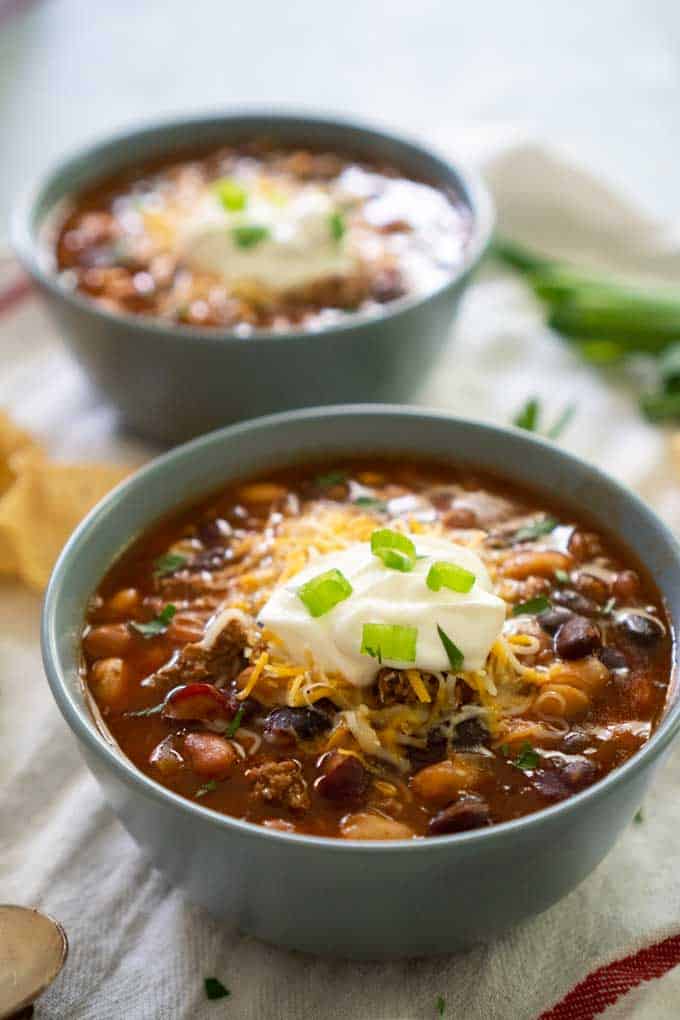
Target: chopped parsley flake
x=527, y=758
x=536, y=529
x=169, y=563
x=209, y=787
x=441, y=1005
x=214, y=989
x=639, y=817
x=327, y=481
x=529, y=414
x=371, y=502
x=158, y=625
x=532, y=606
x=233, y=726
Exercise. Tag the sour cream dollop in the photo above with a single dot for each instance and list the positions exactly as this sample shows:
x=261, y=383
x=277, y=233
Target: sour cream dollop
x=472, y=620
x=298, y=246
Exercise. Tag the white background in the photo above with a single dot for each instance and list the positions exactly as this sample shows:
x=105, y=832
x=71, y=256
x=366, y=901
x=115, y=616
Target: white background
x=602, y=77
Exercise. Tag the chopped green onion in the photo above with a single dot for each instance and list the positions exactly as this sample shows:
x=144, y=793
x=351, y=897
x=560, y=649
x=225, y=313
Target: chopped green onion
x=233, y=726
x=158, y=625
x=389, y=641
x=214, y=989
x=397, y=551
x=562, y=576
x=332, y=478
x=209, y=787
x=532, y=607
x=248, y=235
x=449, y=575
x=336, y=223
x=233, y=197
x=527, y=757
x=560, y=424
x=527, y=416
x=453, y=652
x=168, y=564
x=543, y=526
x=324, y=591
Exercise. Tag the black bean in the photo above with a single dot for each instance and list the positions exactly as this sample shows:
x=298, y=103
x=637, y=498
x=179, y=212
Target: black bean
x=470, y=733
x=214, y=532
x=285, y=724
x=435, y=750
x=575, y=601
x=577, y=638
x=552, y=619
x=343, y=777
x=612, y=658
x=470, y=812
x=640, y=628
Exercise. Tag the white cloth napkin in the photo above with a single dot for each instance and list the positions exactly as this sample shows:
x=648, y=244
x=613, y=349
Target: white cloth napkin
x=138, y=949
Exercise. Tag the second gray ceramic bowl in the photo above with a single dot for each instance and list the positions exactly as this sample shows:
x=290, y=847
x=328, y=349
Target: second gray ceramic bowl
x=172, y=382
x=339, y=896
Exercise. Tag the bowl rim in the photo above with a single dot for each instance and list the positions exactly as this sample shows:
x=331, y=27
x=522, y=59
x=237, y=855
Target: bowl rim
x=84, y=726
x=27, y=245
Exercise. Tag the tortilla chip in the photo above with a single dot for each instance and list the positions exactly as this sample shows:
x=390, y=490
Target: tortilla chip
x=42, y=507
x=12, y=440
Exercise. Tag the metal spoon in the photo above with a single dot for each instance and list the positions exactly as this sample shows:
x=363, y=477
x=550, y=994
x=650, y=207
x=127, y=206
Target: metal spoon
x=33, y=948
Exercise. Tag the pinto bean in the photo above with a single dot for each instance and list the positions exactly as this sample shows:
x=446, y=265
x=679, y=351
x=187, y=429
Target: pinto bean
x=585, y=545
x=109, y=682
x=343, y=778
x=460, y=517
x=209, y=755
x=124, y=602
x=439, y=784
x=535, y=562
x=106, y=640
x=262, y=492
x=577, y=638
x=186, y=628
x=592, y=587
x=364, y=825
x=470, y=812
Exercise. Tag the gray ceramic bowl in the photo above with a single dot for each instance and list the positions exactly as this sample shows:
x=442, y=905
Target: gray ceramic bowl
x=336, y=896
x=172, y=382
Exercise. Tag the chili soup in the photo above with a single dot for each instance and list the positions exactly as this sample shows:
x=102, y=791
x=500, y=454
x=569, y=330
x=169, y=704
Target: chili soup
x=256, y=235
x=377, y=650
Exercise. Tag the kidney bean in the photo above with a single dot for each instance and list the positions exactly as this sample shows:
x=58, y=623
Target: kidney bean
x=343, y=778
x=626, y=585
x=576, y=602
x=470, y=812
x=640, y=628
x=552, y=619
x=284, y=725
x=209, y=755
x=576, y=638
x=199, y=702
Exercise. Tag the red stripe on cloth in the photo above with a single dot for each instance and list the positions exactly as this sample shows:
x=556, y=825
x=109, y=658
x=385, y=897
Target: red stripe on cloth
x=607, y=984
x=13, y=295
